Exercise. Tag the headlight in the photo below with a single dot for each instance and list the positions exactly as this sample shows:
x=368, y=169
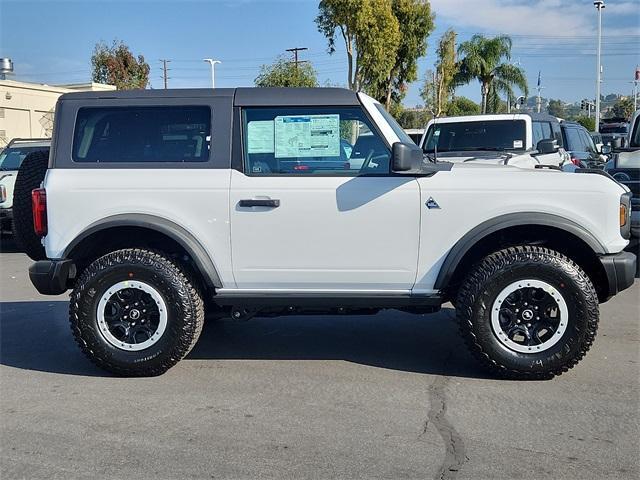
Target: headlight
x=3, y=193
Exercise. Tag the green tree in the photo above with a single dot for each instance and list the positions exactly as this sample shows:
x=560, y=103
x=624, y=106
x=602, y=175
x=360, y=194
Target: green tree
x=556, y=108
x=587, y=122
x=371, y=36
x=413, y=117
x=415, y=21
x=623, y=108
x=486, y=60
x=284, y=73
x=462, y=106
x=438, y=85
x=116, y=65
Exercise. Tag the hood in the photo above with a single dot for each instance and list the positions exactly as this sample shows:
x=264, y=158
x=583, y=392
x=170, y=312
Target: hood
x=485, y=157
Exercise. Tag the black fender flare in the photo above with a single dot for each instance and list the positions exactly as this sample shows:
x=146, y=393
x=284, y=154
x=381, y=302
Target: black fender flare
x=459, y=250
x=192, y=246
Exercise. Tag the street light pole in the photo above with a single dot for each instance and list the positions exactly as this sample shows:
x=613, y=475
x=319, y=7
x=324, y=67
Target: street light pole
x=212, y=62
x=599, y=4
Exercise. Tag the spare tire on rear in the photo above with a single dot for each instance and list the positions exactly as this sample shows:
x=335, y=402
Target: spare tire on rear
x=30, y=176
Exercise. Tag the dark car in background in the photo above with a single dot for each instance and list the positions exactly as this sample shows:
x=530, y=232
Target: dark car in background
x=624, y=166
x=578, y=142
x=614, y=131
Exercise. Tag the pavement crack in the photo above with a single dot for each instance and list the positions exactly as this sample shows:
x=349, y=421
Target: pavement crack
x=455, y=452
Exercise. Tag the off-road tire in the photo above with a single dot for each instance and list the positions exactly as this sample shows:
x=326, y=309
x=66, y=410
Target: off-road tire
x=492, y=274
x=30, y=176
x=185, y=312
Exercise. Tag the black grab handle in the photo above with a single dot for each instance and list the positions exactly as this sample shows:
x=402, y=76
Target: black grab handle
x=257, y=202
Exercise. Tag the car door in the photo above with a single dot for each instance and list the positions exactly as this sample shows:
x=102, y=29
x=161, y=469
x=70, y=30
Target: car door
x=314, y=207
x=542, y=131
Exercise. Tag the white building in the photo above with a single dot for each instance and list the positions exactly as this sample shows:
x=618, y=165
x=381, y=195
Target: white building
x=26, y=109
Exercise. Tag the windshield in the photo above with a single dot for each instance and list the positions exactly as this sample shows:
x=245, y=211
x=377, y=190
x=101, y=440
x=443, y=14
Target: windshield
x=11, y=158
x=614, y=129
x=478, y=135
x=397, y=129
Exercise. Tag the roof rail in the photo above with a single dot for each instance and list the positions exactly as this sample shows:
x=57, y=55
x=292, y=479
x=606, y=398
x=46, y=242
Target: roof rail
x=16, y=140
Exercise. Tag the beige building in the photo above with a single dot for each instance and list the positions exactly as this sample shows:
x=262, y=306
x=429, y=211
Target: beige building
x=26, y=109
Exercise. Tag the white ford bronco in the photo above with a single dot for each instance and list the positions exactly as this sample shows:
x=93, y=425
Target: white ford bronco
x=526, y=140
x=159, y=206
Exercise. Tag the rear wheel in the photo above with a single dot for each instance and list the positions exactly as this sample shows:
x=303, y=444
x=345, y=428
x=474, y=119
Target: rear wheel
x=30, y=176
x=528, y=312
x=135, y=313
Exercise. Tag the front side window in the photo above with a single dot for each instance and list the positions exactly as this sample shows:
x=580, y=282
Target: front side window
x=142, y=134
x=541, y=131
x=476, y=136
x=572, y=136
x=312, y=141
x=587, y=141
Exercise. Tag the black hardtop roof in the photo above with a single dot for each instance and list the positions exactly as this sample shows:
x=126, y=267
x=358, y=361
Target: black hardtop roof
x=242, y=96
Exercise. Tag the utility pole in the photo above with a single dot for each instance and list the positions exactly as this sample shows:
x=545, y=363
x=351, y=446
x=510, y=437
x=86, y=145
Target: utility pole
x=635, y=88
x=539, y=89
x=295, y=54
x=212, y=62
x=599, y=4
x=165, y=77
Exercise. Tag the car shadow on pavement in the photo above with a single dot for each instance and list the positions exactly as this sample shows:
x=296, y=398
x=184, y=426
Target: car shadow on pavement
x=8, y=245
x=36, y=336
x=392, y=340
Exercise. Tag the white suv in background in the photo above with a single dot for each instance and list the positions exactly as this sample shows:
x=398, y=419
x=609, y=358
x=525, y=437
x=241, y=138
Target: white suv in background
x=11, y=158
x=519, y=139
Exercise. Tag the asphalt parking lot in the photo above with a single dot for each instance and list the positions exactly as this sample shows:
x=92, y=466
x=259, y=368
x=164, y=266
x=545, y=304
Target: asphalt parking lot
x=386, y=396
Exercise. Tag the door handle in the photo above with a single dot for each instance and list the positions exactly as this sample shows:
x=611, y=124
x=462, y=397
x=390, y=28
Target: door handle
x=260, y=202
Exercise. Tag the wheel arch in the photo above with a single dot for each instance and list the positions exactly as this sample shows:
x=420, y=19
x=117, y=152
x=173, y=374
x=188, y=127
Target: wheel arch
x=557, y=232
x=144, y=228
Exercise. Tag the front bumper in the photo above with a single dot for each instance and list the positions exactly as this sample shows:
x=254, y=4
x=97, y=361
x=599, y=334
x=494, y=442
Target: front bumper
x=621, y=271
x=51, y=277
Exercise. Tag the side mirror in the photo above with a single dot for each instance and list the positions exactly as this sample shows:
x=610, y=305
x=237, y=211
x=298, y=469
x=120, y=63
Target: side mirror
x=547, y=146
x=605, y=149
x=405, y=157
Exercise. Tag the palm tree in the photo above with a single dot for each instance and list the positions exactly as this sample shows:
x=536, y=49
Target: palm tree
x=487, y=60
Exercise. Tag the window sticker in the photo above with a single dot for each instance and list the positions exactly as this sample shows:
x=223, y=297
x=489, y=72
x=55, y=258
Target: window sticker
x=517, y=144
x=260, y=136
x=307, y=136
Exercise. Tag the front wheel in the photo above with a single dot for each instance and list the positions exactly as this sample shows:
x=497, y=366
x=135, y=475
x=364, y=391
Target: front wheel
x=135, y=313
x=528, y=312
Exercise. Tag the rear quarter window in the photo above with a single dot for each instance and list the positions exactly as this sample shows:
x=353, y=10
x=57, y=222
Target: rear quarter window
x=142, y=134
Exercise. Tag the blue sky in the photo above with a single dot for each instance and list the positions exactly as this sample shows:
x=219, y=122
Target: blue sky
x=51, y=41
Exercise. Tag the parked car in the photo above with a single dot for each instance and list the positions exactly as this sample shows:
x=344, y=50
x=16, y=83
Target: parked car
x=614, y=131
x=624, y=166
x=11, y=158
x=521, y=140
x=580, y=146
x=151, y=210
